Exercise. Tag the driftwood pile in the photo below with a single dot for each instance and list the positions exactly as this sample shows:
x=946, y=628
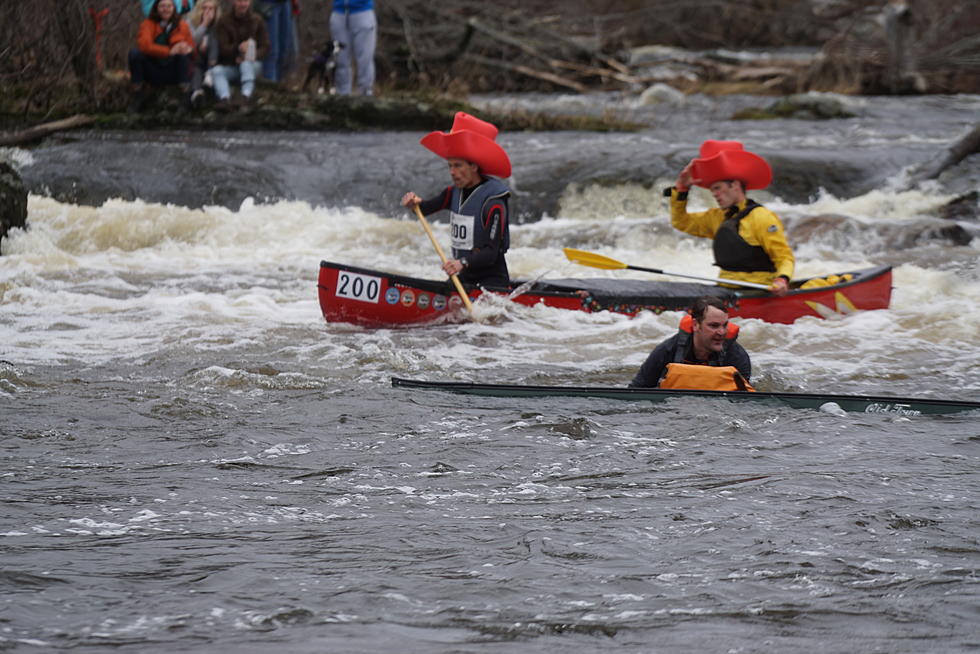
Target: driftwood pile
x=571, y=64
x=482, y=47
x=490, y=48
x=898, y=46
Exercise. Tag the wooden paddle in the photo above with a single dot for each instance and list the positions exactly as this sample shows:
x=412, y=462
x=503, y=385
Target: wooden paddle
x=599, y=261
x=432, y=237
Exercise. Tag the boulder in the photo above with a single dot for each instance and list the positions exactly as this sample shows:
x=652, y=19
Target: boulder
x=13, y=200
x=809, y=228
x=840, y=231
x=661, y=94
x=964, y=207
x=806, y=106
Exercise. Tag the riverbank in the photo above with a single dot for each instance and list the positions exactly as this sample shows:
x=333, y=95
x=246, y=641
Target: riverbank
x=281, y=109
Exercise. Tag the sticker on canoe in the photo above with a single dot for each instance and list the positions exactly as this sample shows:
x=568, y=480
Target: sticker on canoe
x=439, y=302
x=423, y=301
x=897, y=409
x=844, y=307
x=392, y=295
x=358, y=287
x=408, y=297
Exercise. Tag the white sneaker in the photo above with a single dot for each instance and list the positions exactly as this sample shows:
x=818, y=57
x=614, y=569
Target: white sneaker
x=208, y=79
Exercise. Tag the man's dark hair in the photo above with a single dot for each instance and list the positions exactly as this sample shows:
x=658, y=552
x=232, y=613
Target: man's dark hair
x=702, y=303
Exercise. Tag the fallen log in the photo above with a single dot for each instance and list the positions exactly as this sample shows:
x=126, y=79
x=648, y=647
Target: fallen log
x=589, y=52
x=594, y=71
x=38, y=132
x=618, y=72
x=969, y=144
x=530, y=72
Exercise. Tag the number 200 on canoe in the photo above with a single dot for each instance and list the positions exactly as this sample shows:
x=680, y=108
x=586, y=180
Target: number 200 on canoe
x=358, y=287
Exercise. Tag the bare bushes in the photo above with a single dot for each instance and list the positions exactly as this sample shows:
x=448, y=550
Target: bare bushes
x=49, y=62
x=900, y=46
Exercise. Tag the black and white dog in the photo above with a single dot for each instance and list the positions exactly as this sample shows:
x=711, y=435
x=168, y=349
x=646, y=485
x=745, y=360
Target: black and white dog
x=322, y=67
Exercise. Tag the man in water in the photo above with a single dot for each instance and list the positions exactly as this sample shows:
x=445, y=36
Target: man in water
x=477, y=200
x=703, y=353
x=749, y=240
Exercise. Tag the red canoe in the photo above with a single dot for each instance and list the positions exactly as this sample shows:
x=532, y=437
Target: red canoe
x=372, y=298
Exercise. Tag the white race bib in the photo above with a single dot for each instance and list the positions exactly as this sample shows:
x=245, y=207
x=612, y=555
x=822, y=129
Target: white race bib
x=462, y=231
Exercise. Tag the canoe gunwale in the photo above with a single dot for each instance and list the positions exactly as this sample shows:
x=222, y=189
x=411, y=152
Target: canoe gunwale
x=872, y=403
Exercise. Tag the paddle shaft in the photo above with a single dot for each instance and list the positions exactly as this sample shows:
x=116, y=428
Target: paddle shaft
x=432, y=237
x=717, y=280
x=595, y=260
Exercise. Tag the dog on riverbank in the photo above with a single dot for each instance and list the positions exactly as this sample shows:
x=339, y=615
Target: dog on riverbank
x=322, y=67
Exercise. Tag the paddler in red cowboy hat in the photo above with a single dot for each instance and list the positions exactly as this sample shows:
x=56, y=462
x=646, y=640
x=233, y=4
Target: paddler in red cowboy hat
x=477, y=200
x=749, y=240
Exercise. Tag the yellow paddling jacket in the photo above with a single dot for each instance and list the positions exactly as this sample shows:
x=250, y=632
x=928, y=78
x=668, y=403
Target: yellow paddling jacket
x=758, y=229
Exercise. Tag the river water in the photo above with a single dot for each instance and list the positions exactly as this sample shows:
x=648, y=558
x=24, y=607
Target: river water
x=194, y=461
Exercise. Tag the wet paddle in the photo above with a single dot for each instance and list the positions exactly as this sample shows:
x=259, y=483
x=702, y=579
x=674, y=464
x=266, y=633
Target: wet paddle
x=594, y=260
x=432, y=237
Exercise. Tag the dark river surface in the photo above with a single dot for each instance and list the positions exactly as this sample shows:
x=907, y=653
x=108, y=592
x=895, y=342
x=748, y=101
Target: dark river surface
x=194, y=461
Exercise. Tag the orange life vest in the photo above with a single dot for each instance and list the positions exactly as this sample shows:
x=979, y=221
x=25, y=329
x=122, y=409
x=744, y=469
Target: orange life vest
x=687, y=326
x=690, y=376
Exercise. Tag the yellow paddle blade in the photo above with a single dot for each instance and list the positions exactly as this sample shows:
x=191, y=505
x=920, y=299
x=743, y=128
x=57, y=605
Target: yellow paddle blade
x=593, y=260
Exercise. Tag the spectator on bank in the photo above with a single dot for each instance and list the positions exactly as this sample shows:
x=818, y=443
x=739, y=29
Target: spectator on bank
x=354, y=26
x=283, y=47
x=242, y=43
x=182, y=6
x=162, y=56
x=203, y=20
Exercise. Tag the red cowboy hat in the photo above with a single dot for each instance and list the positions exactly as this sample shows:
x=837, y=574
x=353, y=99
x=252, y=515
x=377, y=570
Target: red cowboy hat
x=722, y=160
x=470, y=139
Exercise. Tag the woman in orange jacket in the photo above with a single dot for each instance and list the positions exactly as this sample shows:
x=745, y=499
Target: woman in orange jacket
x=163, y=54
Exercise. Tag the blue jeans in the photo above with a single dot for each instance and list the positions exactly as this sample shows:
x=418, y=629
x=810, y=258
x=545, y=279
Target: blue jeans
x=224, y=76
x=281, y=43
x=359, y=35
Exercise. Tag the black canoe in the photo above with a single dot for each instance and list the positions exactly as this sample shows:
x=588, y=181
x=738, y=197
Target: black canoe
x=899, y=406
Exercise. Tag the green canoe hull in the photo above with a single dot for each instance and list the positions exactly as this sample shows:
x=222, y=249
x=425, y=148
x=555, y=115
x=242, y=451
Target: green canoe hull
x=899, y=406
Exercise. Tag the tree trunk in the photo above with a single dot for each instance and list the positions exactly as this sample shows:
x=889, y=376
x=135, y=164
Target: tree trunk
x=77, y=29
x=900, y=74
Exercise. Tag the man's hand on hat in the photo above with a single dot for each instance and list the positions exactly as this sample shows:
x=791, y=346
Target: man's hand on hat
x=685, y=179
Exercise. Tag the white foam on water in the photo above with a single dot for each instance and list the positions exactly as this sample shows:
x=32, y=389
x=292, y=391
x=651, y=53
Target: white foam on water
x=880, y=205
x=134, y=280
